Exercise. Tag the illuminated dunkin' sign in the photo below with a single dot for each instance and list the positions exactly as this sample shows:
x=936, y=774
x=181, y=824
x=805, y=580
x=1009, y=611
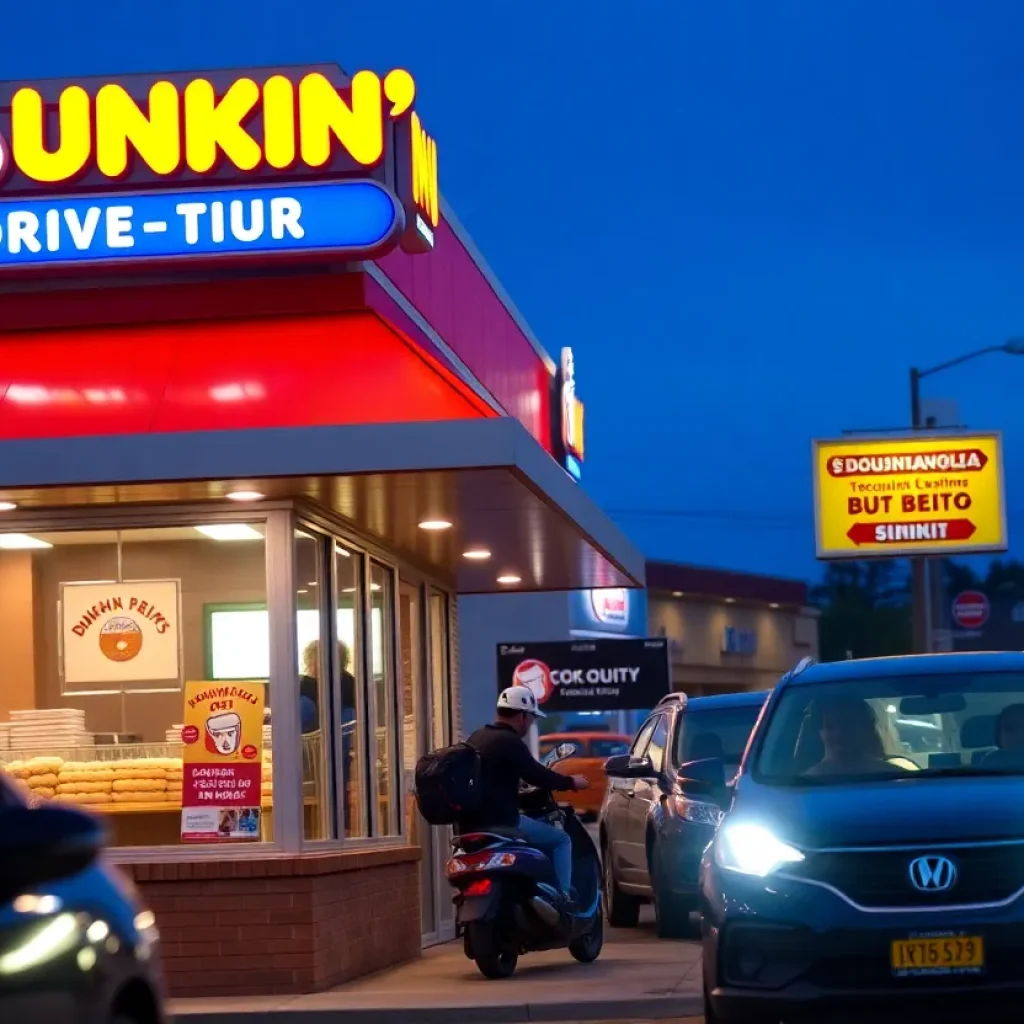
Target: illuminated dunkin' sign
x=272, y=163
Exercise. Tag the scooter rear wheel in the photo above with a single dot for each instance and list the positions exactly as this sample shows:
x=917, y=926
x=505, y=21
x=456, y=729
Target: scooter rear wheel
x=494, y=957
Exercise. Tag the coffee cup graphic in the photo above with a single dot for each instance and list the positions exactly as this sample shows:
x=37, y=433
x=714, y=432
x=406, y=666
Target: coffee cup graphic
x=120, y=638
x=223, y=733
x=535, y=675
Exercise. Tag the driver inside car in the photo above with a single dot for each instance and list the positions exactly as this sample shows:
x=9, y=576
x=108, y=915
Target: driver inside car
x=851, y=739
x=1009, y=738
x=505, y=761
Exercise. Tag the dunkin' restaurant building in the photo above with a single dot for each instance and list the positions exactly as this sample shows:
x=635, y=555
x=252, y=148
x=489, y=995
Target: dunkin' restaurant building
x=264, y=414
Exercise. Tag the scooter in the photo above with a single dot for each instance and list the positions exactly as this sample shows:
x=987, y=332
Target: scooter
x=506, y=896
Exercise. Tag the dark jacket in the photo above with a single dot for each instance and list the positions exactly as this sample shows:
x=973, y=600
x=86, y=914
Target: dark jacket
x=505, y=760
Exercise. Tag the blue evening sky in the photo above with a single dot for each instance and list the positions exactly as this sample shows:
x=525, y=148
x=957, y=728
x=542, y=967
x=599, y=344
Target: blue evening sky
x=748, y=218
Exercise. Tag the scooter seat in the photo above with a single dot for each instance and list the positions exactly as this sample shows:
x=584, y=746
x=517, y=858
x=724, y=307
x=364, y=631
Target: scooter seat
x=483, y=833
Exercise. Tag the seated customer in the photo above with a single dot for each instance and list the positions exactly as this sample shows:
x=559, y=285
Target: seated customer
x=851, y=738
x=1009, y=738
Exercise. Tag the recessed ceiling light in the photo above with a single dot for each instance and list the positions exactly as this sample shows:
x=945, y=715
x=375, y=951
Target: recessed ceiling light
x=375, y=586
x=8, y=506
x=245, y=495
x=301, y=591
x=339, y=550
x=509, y=580
x=435, y=524
x=349, y=590
x=477, y=554
x=311, y=583
x=677, y=593
x=774, y=604
x=229, y=531
x=730, y=600
x=21, y=542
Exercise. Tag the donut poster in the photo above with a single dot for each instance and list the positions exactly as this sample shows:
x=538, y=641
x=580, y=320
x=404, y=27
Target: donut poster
x=120, y=634
x=222, y=751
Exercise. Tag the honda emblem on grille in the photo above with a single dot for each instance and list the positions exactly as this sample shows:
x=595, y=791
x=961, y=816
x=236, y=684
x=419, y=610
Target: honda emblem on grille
x=932, y=874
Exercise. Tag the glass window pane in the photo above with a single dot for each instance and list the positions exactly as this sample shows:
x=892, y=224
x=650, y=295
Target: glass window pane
x=656, y=751
x=383, y=685
x=101, y=630
x=312, y=596
x=439, y=668
x=349, y=667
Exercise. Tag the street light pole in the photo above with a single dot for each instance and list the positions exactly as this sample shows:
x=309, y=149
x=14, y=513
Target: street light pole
x=920, y=568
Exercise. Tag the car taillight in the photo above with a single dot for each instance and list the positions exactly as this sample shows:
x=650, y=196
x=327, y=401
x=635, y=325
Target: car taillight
x=485, y=861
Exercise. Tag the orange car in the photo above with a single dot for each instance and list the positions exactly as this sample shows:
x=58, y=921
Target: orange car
x=593, y=749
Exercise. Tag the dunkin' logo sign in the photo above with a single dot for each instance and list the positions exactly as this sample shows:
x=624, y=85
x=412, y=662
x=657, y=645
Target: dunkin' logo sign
x=610, y=606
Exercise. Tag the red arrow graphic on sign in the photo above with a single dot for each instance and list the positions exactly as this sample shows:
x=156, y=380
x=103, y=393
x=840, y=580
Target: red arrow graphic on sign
x=927, y=532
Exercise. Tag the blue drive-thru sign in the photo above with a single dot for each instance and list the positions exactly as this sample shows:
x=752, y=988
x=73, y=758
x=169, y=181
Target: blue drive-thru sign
x=328, y=217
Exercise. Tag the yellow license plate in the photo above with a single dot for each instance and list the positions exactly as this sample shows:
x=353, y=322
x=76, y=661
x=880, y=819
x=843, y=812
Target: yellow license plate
x=954, y=952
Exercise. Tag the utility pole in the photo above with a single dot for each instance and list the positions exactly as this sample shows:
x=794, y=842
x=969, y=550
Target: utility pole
x=920, y=583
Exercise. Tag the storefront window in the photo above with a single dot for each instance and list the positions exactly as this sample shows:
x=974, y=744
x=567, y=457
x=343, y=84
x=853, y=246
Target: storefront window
x=104, y=633
x=383, y=689
x=351, y=748
x=312, y=602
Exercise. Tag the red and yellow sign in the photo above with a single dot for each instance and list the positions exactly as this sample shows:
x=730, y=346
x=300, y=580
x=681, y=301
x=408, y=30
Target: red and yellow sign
x=891, y=498
x=223, y=754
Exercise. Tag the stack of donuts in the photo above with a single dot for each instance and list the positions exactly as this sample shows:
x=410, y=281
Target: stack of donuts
x=85, y=782
x=145, y=780
x=267, y=779
x=38, y=775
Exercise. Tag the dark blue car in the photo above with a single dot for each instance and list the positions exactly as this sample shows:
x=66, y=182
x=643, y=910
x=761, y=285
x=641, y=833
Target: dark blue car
x=653, y=830
x=75, y=945
x=871, y=863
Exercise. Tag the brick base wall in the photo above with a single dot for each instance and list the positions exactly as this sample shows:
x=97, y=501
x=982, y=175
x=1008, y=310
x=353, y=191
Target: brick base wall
x=282, y=925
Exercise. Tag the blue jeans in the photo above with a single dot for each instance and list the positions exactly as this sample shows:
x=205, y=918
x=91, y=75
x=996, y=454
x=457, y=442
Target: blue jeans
x=555, y=842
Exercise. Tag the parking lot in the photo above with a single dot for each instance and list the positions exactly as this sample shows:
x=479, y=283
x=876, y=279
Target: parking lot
x=638, y=977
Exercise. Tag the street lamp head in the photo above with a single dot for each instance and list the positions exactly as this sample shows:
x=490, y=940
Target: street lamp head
x=1014, y=347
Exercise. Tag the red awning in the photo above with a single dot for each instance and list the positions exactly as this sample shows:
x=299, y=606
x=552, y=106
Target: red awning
x=287, y=371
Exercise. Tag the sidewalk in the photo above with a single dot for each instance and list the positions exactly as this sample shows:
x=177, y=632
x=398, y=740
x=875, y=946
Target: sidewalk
x=637, y=978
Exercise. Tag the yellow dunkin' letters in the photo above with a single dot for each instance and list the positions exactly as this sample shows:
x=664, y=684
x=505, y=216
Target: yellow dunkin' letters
x=196, y=126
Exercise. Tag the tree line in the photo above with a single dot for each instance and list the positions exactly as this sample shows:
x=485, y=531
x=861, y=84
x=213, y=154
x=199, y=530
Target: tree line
x=866, y=607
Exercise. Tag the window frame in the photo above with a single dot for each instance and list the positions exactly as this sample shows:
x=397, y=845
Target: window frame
x=638, y=750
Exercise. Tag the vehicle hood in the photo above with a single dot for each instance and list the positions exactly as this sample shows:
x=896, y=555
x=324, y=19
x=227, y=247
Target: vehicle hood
x=905, y=810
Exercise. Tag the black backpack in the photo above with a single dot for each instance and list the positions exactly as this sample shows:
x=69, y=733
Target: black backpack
x=449, y=784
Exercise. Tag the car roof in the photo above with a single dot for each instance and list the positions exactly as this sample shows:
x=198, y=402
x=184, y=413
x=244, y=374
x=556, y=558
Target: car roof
x=745, y=699
x=906, y=665
x=580, y=735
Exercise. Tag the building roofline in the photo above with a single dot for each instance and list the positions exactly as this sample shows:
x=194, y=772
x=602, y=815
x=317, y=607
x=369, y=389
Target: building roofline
x=725, y=583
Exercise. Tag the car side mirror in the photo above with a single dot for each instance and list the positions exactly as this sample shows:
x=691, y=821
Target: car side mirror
x=705, y=777
x=623, y=766
x=45, y=844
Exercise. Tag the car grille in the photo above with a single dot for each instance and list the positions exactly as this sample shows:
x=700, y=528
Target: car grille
x=881, y=878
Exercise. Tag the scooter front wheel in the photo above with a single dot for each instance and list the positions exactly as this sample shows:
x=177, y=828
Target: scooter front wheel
x=495, y=958
x=587, y=948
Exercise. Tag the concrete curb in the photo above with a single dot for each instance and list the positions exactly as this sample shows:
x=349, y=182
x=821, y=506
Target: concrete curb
x=644, y=1008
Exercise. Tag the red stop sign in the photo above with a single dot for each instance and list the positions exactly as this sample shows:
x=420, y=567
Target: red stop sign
x=971, y=609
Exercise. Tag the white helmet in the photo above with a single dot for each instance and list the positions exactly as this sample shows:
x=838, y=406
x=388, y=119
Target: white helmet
x=520, y=698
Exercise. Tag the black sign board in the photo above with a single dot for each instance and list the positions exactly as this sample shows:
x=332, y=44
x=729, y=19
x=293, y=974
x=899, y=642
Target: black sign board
x=588, y=675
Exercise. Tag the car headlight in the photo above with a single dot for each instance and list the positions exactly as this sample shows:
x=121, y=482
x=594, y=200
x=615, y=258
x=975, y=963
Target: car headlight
x=753, y=850
x=699, y=812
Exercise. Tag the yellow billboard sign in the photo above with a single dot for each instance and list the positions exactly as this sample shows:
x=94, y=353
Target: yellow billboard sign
x=940, y=494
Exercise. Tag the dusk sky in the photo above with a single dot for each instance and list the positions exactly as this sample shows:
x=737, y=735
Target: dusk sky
x=749, y=219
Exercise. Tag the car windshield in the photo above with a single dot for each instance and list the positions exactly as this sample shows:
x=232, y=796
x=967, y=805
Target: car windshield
x=722, y=732
x=887, y=728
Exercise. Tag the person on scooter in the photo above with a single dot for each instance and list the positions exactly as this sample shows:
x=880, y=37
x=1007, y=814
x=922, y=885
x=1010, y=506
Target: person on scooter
x=505, y=760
